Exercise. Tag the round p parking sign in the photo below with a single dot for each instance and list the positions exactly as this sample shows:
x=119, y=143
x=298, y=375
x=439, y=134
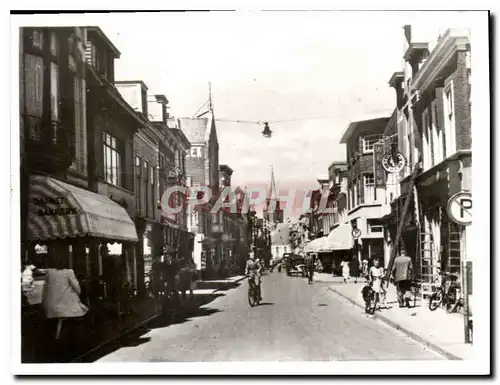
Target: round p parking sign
x=459, y=208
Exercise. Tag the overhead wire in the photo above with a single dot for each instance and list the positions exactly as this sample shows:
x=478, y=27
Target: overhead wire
x=298, y=119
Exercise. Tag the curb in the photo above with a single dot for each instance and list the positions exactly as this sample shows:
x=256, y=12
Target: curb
x=230, y=283
x=397, y=326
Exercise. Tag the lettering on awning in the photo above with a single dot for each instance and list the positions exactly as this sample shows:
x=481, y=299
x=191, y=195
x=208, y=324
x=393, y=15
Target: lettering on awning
x=45, y=206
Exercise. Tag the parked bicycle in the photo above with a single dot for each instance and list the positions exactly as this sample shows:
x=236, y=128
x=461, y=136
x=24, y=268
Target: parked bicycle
x=449, y=299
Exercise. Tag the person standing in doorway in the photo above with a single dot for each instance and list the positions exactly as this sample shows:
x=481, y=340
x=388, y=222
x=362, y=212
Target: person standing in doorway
x=402, y=273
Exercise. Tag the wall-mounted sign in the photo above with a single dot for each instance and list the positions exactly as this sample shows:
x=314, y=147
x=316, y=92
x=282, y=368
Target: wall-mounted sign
x=393, y=162
x=356, y=233
x=378, y=154
x=459, y=208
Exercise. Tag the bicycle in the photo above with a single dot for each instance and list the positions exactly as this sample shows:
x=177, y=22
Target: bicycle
x=443, y=297
x=373, y=299
x=253, y=292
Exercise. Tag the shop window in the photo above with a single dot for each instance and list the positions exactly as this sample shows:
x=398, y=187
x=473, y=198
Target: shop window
x=112, y=160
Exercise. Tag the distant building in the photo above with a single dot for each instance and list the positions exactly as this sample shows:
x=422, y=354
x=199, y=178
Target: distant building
x=202, y=170
x=367, y=202
x=280, y=242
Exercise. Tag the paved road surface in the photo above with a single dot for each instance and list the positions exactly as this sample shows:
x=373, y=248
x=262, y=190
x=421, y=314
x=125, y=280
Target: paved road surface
x=296, y=322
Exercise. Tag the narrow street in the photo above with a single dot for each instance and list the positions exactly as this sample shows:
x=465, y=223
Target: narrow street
x=296, y=322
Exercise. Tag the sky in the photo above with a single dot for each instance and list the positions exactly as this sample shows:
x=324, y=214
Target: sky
x=272, y=67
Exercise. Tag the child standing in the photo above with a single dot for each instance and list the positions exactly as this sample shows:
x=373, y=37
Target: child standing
x=376, y=274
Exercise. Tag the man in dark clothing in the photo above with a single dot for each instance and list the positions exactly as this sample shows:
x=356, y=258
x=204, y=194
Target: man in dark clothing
x=309, y=262
x=402, y=273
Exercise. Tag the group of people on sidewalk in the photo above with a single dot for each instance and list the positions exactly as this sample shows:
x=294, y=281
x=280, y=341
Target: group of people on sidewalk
x=401, y=275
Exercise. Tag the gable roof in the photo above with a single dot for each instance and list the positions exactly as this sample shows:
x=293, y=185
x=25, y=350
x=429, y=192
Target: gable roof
x=353, y=126
x=195, y=129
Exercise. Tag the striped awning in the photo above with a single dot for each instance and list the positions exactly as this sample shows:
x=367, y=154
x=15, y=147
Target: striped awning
x=340, y=238
x=58, y=210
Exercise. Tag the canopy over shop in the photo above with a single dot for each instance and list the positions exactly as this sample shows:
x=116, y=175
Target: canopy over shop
x=332, y=248
x=75, y=224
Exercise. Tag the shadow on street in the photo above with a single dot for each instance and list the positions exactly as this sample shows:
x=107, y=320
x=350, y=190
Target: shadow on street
x=137, y=336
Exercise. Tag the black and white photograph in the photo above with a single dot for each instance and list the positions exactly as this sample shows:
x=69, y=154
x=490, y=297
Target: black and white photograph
x=250, y=192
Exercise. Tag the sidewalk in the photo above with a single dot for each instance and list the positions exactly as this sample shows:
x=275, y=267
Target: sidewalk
x=328, y=278
x=211, y=286
x=437, y=329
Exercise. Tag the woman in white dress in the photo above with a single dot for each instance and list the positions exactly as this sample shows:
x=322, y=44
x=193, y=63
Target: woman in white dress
x=346, y=271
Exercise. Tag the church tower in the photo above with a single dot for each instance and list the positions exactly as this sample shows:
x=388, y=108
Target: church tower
x=273, y=214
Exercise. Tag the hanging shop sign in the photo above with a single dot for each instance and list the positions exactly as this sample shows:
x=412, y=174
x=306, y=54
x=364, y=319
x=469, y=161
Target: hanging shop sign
x=356, y=233
x=393, y=162
x=378, y=154
x=459, y=208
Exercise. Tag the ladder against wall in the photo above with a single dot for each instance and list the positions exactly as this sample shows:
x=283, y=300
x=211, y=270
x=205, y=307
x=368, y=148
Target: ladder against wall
x=427, y=266
x=453, y=262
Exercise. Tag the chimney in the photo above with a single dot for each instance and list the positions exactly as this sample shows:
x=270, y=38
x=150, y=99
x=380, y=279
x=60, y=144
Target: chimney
x=396, y=82
x=416, y=52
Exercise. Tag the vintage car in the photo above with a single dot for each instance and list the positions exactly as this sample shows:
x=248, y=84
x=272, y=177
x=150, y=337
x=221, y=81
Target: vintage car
x=294, y=264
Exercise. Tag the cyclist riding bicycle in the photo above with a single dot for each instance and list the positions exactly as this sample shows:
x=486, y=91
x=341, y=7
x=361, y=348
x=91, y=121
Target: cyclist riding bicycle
x=253, y=271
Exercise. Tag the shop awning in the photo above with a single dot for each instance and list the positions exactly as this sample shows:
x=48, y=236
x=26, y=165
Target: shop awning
x=59, y=210
x=316, y=245
x=340, y=238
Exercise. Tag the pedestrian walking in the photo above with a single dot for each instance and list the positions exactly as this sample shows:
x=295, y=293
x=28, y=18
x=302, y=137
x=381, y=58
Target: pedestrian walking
x=309, y=262
x=61, y=303
x=346, y=271
x=402, y=273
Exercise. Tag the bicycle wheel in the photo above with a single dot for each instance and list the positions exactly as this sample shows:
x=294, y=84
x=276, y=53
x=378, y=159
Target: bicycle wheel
x=252, y=295
x=435, y=300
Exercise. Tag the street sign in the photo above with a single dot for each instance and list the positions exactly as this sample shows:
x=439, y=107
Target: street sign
x=393, y=162
x=356, y=233
x=459, y=208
